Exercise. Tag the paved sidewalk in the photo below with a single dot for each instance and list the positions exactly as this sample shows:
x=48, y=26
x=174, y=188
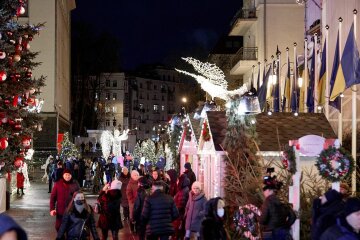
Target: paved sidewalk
x=31, y=211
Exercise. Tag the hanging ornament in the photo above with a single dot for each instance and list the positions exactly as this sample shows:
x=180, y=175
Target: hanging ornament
x=17, y=126
x=28, y=74
x=2, y=55
x=3, y=143
x=32, y=90
x=26, y=141
x=20, y=11
x=3, y=118
x=16, y=58
x=18, y=161
x=2, y=76
x=15, y=100
x=31, y=101
x=18, y=48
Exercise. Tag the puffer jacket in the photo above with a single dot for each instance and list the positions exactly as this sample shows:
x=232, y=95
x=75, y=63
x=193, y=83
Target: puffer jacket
x=340, y=231
x=195, y=211
x=73, y=223
x=110, y=210
x=158, y=213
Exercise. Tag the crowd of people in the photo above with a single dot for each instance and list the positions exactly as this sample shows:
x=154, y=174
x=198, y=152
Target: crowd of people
x=159, y=204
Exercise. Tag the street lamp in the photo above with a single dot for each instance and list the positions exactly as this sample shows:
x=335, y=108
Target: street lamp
x=184, y=100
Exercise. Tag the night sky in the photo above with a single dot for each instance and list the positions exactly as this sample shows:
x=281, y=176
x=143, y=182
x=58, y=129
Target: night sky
x=152, y=31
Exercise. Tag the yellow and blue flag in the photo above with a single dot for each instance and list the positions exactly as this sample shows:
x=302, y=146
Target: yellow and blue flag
x=322, y=79
x=336, y=101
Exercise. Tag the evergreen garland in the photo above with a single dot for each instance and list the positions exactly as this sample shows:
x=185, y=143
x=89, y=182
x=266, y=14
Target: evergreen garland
x=289, y=159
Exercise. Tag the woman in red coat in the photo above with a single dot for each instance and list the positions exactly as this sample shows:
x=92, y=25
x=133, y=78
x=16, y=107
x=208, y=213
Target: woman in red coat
x=61, y=196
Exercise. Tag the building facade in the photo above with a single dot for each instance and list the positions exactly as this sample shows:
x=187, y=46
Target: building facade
x=54, y=48
x=151, y=101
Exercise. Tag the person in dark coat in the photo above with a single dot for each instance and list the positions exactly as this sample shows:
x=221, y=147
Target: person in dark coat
x=61, y=195
x=173, y=181
x=142, y=192
x=189, y=173
x=325, y=210
x=347, y=226
x=78, y=220
x=195, y=210
x=110, y=219
x=9, y=229
x=124, y=179
x=181, y=199
x=274, y=215
x=212, y=227
x=131, y=192
x=158, y=213
x=58, y=171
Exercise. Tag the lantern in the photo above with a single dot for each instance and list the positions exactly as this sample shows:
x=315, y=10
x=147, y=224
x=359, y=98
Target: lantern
x=249, y=104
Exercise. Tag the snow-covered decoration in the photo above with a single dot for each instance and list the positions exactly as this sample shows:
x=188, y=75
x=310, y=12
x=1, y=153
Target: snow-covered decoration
x=29, y=154
x=108, y=140
x=212, y=80
x=169, y=157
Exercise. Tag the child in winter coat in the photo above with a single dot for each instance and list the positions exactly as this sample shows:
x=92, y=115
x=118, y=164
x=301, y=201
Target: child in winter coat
x=212, y=228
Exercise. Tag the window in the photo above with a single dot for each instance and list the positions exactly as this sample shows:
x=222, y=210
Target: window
x=107, y=109
x=147, y=117
x=154, y=97
x=156, y=107
x=168, y=77
x=107, y=123
x=114, y=96
x=114, y=109
x=107, y=96
x=140, y=85
x=114, y=83
x=155, y=87
x=107, y=83
x=96, y=96
x=162, y=108
x=141, y=106
x=162, y=98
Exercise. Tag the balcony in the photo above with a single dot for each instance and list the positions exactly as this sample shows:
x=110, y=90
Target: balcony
x=242, y=21
x=244, y=59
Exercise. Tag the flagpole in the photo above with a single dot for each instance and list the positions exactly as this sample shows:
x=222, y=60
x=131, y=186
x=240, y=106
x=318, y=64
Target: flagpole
x=327, y=94
x=305, y=76
x=279, y=69
x=340, y=123
x=354, y=121
x=288, y=101
x=295, y=83
x=258, y=83
x=252, y=77
x=316, y=102
x=272, y=81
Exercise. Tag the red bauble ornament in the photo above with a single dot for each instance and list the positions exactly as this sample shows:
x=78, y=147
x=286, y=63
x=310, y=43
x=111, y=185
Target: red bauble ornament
x=18, y=161
x=31, y=101
x=16, y=58
x=3, y=143
x=17, y=127
x=2, y=55
x=2, y=76
x=26, y=141
x=20, y=11
x=28, y=74
x=15, y=101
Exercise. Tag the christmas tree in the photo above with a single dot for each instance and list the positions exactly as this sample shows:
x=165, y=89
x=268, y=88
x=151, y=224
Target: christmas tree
x=68, y=149
x=148, y=151
x=18, y=89
x=137, y=151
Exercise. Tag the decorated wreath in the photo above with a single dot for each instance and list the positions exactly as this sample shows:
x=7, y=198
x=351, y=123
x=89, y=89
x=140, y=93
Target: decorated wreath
x=246, y=224
x=205, y=132
x=289, y=159
x=335, y=164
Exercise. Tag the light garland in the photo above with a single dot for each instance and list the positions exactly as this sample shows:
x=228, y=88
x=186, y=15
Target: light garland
x=106, y=140
x=212, y=80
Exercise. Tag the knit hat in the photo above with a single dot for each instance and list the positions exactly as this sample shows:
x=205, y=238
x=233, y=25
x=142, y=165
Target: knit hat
x=67, y=171
x=352, y=205
x=196, y=184
x=115, y=184
x=332, y=195
x=187, y=165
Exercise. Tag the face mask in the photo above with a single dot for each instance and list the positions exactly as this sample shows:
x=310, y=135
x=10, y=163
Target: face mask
x=79, y=202
x=220, y=212
x=79, y=208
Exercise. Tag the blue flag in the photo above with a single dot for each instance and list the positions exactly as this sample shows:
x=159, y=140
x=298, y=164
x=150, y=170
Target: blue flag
x=310, y=90
x=263, y=89
x=336, y=103
x=350, y=60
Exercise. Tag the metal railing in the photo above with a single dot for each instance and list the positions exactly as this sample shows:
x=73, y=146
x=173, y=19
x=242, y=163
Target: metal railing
x=244, y=14
x=245, y=53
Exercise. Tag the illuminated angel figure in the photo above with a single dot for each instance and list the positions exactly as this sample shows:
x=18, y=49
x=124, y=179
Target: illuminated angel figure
x=212, y=79
x=108, y=140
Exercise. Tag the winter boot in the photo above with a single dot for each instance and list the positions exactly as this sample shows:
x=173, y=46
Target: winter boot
x=22, y=191
x=17, y=192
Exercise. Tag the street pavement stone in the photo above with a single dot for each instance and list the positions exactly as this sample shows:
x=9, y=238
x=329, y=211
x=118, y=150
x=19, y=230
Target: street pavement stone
x=31, y=211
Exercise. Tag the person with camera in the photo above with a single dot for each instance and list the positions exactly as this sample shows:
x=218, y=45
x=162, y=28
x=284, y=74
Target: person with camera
x=276, y=217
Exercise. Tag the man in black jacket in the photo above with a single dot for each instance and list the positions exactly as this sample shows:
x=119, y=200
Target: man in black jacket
x=189, y=173
x=158, y=213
